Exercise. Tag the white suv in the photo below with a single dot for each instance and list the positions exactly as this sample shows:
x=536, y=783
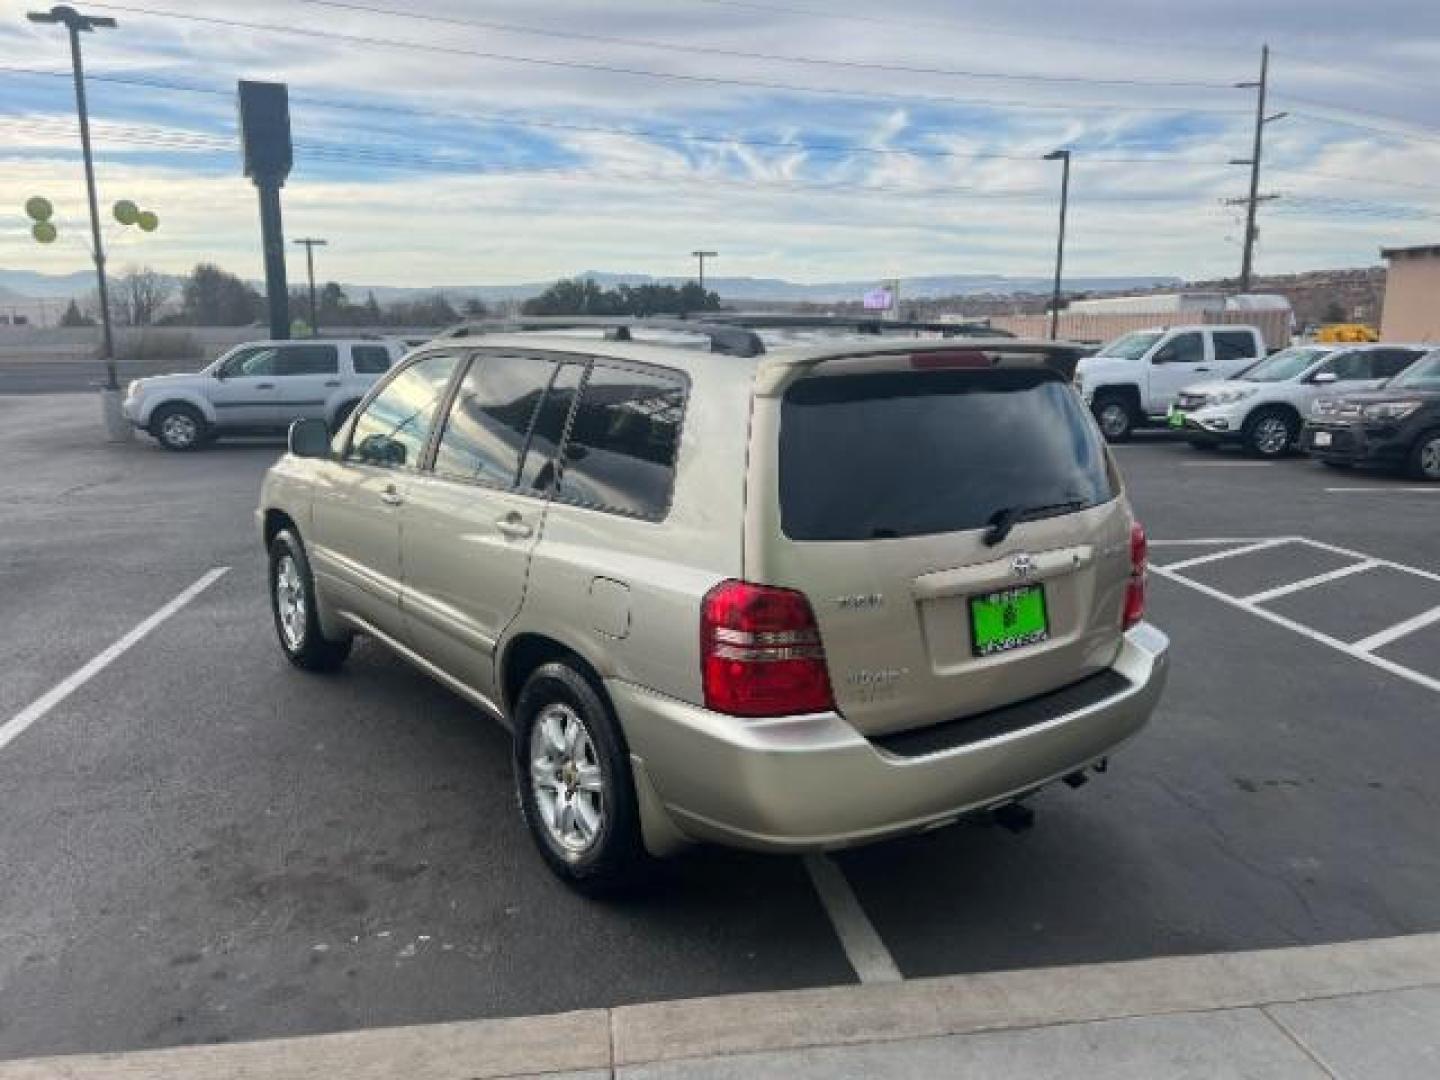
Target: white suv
x=1264, y=408
x=1133, y=379
x=259, y=386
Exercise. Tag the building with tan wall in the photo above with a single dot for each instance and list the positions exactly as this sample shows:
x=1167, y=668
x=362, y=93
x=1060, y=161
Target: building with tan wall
x=1412, y=294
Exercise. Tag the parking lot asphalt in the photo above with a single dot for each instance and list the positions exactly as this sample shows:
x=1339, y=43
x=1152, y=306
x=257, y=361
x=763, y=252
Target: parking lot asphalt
x=201, y=844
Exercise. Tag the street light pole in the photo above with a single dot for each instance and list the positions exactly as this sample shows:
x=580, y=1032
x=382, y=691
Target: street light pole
x=311, y=243
x=1062, y=156
x=76, y=24
x=702, y=256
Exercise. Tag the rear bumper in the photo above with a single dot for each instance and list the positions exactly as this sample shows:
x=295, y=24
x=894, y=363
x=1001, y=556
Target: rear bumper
x=815, y=783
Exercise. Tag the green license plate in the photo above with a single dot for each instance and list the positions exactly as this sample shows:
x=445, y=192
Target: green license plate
x=1177, y=418
x=1010, y=619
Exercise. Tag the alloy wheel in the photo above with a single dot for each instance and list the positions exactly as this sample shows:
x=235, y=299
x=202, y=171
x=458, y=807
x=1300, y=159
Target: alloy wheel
x=1272, y=435
x=179, y=430
x=290, y=602
x=1114, y=420
x=1430, y=458
x=566, y=780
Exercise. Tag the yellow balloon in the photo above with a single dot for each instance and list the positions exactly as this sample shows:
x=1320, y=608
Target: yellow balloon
x=126, y=212
x=147, y=221
x=39, y=208
x=44, y=232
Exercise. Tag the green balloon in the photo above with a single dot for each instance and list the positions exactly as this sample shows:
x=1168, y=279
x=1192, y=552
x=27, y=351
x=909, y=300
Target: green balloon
x=39, y=208
x=126, y=212
x=147, y=221
x=44, y=232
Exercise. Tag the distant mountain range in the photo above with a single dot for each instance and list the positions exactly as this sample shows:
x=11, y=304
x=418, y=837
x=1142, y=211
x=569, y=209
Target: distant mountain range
x=29, y=283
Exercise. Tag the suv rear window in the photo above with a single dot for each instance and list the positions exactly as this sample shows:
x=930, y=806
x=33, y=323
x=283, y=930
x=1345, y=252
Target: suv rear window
x=876, y=456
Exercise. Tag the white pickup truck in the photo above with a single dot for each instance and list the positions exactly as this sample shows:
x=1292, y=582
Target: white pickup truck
x=1134, y=379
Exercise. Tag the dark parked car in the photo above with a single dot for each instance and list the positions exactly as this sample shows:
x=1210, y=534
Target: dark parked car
x=1397, y=425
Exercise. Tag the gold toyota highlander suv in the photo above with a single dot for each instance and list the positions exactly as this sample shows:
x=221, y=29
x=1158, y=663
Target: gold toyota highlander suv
x=788, y=600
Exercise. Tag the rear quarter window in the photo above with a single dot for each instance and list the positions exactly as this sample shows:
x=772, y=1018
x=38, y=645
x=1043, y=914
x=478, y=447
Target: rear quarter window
x=370, y=359
x=880, y=456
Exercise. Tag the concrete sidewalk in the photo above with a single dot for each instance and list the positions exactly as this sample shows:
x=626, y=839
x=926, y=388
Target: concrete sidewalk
x=1359, y=1011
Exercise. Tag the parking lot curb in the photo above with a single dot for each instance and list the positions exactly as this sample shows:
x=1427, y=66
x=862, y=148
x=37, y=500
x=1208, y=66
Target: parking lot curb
x=632, y=1035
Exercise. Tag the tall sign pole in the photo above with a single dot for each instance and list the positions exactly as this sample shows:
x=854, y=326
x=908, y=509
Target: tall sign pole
x=265, y=136
x=310, y=244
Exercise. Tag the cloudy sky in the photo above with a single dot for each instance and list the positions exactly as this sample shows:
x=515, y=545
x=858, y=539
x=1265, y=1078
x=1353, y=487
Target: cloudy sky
x=488, y=141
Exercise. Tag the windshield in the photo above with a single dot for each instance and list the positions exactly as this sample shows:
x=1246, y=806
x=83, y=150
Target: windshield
x=1285, y=365
x=1131, y=346
x=911, y=454
x=1424, y=374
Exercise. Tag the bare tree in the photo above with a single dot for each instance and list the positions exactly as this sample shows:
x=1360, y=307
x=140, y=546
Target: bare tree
x=140, y=293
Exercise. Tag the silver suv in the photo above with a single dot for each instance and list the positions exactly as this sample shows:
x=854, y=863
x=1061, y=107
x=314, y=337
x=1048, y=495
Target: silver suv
x=259, y=386
x=788, y=601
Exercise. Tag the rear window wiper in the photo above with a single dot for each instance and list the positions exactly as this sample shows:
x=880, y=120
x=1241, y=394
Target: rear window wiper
x=1007, y=517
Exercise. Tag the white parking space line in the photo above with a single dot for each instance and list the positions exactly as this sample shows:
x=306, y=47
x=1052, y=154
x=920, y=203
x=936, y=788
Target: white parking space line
x=864, y=949
x=1228, y=464
x=1433, y=489
x=1208, y=541
x=1413, y=570
x=1305, y=631
x=1216, y=556
x=16, y=725
x=1310, y=582
x=1395, y=633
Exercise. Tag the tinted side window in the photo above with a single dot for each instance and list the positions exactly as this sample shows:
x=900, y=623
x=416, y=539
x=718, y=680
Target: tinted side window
x=1391, y=362
x=370, y=359
x=1182, y=349
x=1352, y=365
x=537, y=471
x=393, y=427
x=309, y=360
x=489, y=423
x=621, y=450
x=249, y=362
x=1234, y=345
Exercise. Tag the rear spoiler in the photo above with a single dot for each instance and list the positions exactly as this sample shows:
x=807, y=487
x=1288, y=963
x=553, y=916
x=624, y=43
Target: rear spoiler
x=778, y=370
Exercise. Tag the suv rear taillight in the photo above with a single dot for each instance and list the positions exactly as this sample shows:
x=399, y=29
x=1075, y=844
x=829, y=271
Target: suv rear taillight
x=1135, y=587
x=760, y=652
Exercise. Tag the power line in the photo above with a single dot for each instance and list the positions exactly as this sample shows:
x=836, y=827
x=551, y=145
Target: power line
x=970, y=28
x=784, y=58
x=1167, y=160
x=615, y=69
x=1432, y=134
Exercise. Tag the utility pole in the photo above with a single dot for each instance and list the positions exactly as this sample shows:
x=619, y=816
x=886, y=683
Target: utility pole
x=1255, y=198
x=1064, y=157
x=311, y=243
x=76, y=24
x=702, y=256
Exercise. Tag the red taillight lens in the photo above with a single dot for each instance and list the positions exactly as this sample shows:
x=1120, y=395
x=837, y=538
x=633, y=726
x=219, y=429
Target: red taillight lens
x=1135, y=587
x=760, y=652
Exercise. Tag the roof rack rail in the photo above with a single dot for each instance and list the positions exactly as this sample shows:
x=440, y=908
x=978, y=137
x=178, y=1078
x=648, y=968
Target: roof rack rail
x=864, y=324
x=732, y=340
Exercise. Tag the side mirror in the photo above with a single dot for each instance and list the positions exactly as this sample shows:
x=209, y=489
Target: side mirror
x=1324, y=378
x=310, y=438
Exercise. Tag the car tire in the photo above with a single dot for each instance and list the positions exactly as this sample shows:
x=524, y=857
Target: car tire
x=1115, y=415
x=292, y=603
x=1270, y=433
x=179, y=427
x=1423, y=462
x=573, y=779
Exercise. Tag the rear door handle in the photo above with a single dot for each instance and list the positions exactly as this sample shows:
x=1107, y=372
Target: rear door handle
x=264, y=386
x=332, y=382
x=513, y=528
x=391, y=497
x=1202, y=369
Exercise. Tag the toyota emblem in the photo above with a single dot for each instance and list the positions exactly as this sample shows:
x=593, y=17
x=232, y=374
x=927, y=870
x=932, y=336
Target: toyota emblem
x=1023, y=566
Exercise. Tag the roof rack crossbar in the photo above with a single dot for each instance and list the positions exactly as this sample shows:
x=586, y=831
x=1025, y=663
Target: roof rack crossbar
x=724, y=338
